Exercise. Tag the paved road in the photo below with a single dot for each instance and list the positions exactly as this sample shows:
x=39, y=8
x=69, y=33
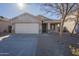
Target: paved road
x=39, y=45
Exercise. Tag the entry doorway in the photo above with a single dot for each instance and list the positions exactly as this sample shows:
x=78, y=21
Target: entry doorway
x=44, y=27
x=10, y=29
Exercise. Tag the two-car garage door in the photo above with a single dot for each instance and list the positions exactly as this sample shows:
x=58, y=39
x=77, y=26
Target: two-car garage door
x=28, y=28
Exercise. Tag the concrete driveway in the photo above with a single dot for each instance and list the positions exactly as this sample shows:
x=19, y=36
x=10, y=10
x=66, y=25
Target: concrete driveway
x=53, y=45
x=18, y=45
x=41, y=45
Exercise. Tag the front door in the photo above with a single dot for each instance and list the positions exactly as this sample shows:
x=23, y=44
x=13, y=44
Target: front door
x=9, y=29
x=44, y=28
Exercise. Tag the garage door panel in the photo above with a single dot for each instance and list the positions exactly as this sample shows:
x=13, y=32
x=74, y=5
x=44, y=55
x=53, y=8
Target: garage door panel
x=27, y=28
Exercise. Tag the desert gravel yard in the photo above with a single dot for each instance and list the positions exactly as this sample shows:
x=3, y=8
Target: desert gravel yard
x=40, y=45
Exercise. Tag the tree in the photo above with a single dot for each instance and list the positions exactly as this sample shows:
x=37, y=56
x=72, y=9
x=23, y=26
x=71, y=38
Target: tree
x=61, y=9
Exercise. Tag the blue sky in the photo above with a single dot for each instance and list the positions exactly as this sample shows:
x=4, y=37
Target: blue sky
x=11, y=10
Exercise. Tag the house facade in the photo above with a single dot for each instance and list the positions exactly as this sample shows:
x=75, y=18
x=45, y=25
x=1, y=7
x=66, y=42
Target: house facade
x=4, y=24
x=69, y=24
x=27, y=23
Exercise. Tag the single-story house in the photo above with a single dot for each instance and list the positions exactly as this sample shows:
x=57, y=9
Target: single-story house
x=4, y=24
x=27, y=23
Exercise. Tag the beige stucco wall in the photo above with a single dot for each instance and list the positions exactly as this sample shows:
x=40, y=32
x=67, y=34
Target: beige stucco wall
x=25, y=18
x=69, y=25
x=4, y=26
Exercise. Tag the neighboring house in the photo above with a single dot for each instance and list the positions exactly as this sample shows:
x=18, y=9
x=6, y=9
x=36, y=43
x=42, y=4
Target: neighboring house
x=4, y=24
x=27, y=23
x=70, y=23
